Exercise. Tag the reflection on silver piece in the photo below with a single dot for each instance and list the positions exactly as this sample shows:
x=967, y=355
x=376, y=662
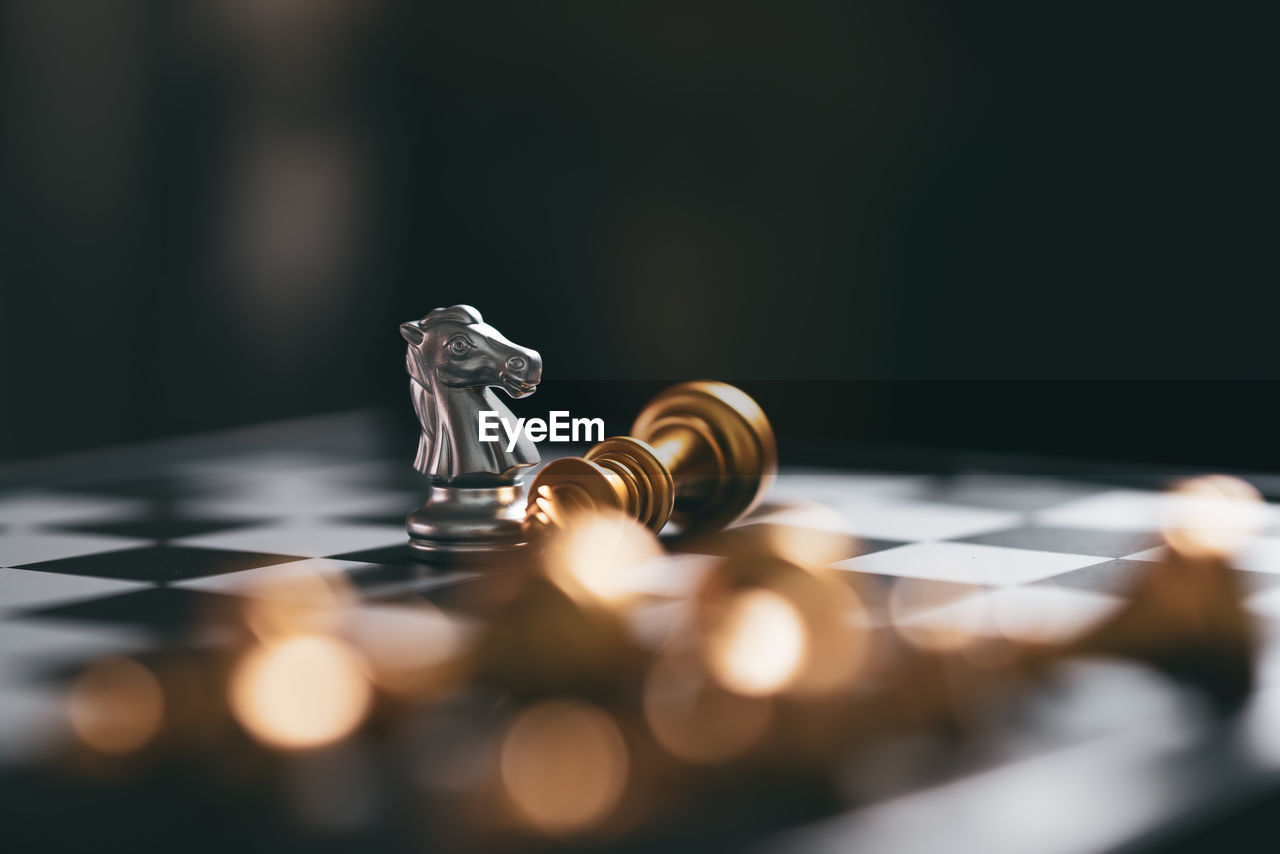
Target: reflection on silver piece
x=454, y=360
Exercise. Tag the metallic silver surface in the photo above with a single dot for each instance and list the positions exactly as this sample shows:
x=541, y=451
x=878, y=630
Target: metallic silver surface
x=455, y=360
x=457, y=521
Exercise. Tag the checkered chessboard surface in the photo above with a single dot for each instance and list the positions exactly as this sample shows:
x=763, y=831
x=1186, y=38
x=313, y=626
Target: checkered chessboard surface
x=105, y=558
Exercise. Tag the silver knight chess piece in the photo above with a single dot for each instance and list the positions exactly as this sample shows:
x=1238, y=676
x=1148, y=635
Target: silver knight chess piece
x=455, y=360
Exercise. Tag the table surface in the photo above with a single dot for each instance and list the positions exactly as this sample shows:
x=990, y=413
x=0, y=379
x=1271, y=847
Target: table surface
x=116, y=553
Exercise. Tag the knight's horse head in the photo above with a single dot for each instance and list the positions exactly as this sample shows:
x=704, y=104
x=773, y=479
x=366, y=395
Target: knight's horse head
x=454, y=357
x=462, y=351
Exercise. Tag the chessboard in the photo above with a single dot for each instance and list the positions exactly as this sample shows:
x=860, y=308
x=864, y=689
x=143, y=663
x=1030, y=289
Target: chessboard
x=121, y=553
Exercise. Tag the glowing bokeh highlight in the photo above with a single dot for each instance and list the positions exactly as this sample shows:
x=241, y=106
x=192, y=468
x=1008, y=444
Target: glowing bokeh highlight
x=116, y=706
x=303, y=692
x=760, y=644
x=564, y=766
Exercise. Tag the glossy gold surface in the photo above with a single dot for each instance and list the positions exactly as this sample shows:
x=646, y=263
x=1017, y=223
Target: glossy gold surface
x=700, y=453
x=719, y=446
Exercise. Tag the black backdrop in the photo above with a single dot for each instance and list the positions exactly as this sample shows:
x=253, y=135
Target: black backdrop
x=986, y=225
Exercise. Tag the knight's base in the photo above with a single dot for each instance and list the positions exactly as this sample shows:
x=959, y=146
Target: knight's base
x=461, y=522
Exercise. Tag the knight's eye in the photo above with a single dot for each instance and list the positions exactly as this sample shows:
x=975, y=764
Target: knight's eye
x=459, y=346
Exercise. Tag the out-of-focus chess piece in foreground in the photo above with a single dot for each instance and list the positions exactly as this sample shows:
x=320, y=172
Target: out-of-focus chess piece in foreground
x=700, y=454
x=1185, y=618
x=772, y=623
x=559, y=628
x=454, y=361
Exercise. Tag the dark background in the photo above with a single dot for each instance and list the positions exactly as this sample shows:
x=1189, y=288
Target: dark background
x=993, y=225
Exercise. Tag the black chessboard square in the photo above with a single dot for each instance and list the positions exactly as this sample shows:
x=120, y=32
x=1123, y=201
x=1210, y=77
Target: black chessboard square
x=399, y=555
x=473, y=595
x=756, y=536
x=161, y=564
x=1116, y=577
x=867, y=545
x=1003, y=492
x=382, y=582
x=159, y=527
x=1079, y=541
x=374, y=519
x=924, y=594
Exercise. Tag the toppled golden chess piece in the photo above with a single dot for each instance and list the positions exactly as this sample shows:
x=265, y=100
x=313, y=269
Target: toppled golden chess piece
x=700, y=454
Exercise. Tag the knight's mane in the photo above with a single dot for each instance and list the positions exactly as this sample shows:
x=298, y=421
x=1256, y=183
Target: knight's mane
x=424, y=406
x=423, y=403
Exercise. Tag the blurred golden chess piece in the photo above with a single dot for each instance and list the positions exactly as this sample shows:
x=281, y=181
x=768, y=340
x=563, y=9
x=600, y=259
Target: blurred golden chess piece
x=772, y=622
x=1185, y=617
x=544, y=642
x=560, y=630
x=700, y=453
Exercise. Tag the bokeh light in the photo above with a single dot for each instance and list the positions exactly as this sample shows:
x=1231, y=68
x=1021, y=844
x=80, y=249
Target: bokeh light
x=564, y=766
x=302, y=692
x=409, y=648
x=1213, y=516
x=116, y=705
x=696, y=720
x=811, y=535
x=602, y=555
x=296, y=600
x=759, y=645
x=910, y=602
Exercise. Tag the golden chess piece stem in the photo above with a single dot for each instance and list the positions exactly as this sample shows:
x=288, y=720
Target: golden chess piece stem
x=700, y=453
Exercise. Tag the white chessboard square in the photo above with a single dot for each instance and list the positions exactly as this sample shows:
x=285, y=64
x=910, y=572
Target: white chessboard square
x=798, y=514
x=1131, y=510
x=814, y=485
x=294, y=582
x=19, y=548
x=1265, y=603
x=1154, y=554
x=1006, y=491
x=44, y=507
x=308, y=539
x=283, y=582
x=1260, y=555
x=1041, y=613
x=265, y=465
x=923, y=520
x=968, y=563
x=301, y=497
x=29, y=588
x=33, y=723
x=1114, y=510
